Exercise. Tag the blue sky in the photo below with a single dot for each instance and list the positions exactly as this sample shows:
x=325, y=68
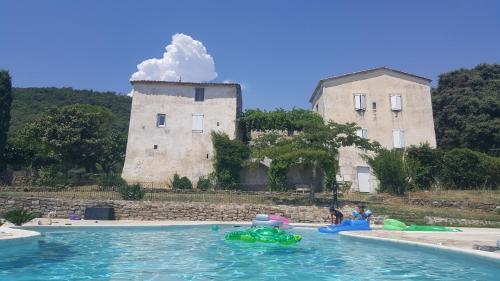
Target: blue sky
x=277, y=49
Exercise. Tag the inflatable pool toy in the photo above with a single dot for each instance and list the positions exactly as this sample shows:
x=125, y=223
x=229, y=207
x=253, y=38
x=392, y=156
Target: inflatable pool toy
x=346, y=225
x=264, y=235
x=215, y=228
x=271, y=221
x=391, y=224
x=356, y=214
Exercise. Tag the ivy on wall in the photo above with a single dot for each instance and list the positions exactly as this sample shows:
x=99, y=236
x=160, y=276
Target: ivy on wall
x=228, y=160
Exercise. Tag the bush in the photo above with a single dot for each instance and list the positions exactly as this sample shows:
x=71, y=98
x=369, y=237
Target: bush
x=228, y=159
x=204, y=184
x=392, y=170
x=50, y=176
x=181, y=183
x=111, y=180
x=428, y=162
x=466, y=169
x=18, y=216
x=131, y=192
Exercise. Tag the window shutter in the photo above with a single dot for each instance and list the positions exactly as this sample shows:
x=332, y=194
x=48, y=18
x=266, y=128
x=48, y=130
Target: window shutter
x=396, y=102
x=198, y=123
x=398, y=138
x=364, y=133
x=359, y=133
x=359, y=102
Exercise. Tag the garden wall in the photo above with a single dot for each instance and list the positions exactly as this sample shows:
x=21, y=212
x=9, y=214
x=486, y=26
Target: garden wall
x=147, y=210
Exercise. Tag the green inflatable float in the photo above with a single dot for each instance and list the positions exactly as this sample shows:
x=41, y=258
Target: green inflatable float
x=390, y=224
x=264, y=235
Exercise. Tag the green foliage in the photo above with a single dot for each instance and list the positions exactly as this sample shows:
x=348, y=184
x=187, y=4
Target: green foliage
x=181, y=182
x=131, y=192
x=18, y=216
x=314, y=144
x=428, y=161
x=204, y=183
x=279, y=119
x=30, y=103
x=467, y=109
x=5, y=115
x=111, y=180
x=228, y=159
x=393, y=170
x=50, y=176
x=467, y=169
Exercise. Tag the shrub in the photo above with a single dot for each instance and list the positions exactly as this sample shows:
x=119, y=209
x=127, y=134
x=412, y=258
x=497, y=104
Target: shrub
x=50, y=176
x=466, y=169
x=228, y=159
x=392, y=170
x=111, y=180
x=204, y=183
x=18, y=216
x=181, y=183
x=428, y=162
x=131, y=192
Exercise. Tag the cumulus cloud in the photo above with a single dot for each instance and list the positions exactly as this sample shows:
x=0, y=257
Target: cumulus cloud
x=184, y=59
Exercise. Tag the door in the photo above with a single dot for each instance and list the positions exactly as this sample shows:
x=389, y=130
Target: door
x=363, y=179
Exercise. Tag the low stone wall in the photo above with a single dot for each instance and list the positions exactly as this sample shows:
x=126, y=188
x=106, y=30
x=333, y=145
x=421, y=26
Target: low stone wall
x=488, y=207
x=147, y=210
x=460, y=222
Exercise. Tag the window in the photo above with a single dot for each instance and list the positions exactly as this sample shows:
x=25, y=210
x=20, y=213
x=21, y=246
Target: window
x=199, y=94
x=155, y=146
x=374, y=105
x=362, y=133
x=359, y=102
x=217, y=124
x=398, y=138
x=395, y=102
x=197, y=123
x=160, y=120
x=316, y=108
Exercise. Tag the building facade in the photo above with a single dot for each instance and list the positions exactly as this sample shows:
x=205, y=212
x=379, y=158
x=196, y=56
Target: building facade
x=170, y=129
x=392, y=107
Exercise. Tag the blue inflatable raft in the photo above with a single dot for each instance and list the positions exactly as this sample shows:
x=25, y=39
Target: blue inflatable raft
x=346, y=225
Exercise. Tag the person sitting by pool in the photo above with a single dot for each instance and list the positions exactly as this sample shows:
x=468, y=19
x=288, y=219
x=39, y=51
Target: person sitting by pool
x=337, y=214
x=361, y=214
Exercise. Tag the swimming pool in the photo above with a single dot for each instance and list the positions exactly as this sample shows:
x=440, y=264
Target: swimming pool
x=197, y=253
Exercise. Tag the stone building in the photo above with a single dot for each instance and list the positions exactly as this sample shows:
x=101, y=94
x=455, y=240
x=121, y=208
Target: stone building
x=391, y=107
x=170, y=127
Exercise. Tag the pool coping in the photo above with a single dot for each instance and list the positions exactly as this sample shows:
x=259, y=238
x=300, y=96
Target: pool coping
x=16, y=233
x=489, y=255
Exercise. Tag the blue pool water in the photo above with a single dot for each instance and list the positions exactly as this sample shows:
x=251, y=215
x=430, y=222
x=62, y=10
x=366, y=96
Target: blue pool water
x=197, y=253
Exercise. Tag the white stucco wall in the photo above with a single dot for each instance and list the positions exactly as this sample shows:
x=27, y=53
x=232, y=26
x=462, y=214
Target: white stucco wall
x=336, y=103
x=180, y=150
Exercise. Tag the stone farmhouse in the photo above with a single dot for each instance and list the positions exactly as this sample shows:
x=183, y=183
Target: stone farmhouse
x=171, y=123
x=170, y=127
x=391, y=107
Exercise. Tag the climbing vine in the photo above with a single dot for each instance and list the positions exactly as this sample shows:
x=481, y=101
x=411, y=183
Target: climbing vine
x=228, y=160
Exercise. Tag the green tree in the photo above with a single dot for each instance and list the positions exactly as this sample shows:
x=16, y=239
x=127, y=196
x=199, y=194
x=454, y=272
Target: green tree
x=228, y=159
x=5, y=104
x=394, y=170
x=466, y=107
x=428, y=161
x=316, y=145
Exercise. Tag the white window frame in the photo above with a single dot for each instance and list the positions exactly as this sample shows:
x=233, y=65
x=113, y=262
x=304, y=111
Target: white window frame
x=396, y=102
x=398, y=138
x=158, y=120
x=360, y=102
x=362, y=133
x=195, y=127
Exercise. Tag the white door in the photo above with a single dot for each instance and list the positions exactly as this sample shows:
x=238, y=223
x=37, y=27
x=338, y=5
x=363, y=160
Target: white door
x=363, y=179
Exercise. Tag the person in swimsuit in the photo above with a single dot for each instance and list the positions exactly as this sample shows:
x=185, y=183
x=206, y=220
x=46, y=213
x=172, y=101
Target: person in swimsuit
x=334, y=213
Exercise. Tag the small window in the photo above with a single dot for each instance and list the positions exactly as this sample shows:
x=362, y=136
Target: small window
x=317, y=108
x=207, y=155
x=374, y=105
x=199, y=94
x=217, y=124
x=396, y=103
x=160, y=120
x=360, y=102
x=362, y=133
x=197, y=123
x=155, y=146
x=398, y=138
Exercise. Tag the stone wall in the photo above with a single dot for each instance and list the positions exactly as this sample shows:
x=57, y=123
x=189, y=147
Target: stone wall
x=148, y=210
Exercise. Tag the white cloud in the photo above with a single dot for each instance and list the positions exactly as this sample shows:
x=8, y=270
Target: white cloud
x=185, y=59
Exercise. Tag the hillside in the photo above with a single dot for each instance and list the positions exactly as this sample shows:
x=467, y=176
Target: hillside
x=29, y=103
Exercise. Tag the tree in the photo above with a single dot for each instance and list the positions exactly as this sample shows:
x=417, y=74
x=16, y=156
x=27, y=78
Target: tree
x=466, y=108
x=316, y=145
x=5, y=103
x=75, y=135
x=228, y=159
